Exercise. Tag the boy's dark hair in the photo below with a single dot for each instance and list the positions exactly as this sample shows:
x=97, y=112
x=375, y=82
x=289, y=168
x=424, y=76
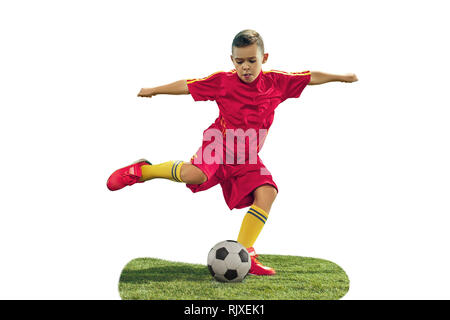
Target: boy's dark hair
x=246, y=38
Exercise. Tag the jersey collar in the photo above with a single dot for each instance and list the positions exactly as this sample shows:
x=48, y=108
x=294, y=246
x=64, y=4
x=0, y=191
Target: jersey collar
x=255, y=82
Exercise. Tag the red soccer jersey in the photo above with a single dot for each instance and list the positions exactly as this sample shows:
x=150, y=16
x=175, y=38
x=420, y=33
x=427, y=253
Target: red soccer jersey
x=248, y=105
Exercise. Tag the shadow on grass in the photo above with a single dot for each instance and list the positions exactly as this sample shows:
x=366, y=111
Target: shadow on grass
x=164, y=274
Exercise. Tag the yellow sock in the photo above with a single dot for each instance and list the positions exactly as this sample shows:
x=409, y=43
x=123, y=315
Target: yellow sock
x=251, y=226
x=167, y=170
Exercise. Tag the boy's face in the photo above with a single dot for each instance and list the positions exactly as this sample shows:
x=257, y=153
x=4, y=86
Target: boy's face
x=248, y=62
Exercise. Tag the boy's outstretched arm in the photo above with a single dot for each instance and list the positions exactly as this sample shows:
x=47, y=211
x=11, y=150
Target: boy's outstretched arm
x=322, y=77
x=177, y=87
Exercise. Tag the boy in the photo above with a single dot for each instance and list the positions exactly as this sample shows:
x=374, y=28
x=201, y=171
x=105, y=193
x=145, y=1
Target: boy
x=247, y=98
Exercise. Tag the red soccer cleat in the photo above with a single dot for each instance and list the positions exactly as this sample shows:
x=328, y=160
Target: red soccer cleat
x=126, y=176
x=257, y=267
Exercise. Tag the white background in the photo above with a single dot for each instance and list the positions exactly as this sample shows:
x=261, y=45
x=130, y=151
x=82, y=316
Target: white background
x=363, y=168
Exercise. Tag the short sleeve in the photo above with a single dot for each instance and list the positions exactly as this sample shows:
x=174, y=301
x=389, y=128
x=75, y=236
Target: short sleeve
x=205, y=88
x=292, y=84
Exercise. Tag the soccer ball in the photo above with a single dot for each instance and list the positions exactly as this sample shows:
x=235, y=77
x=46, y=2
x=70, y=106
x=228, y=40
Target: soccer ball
x=229, y=261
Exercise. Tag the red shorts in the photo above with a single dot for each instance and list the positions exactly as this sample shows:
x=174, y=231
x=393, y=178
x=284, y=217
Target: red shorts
x=238, y=181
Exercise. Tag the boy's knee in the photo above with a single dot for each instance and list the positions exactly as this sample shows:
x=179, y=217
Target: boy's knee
x=202, y=177
x=274, y=192
x=264, y=196
x=192, y=175
x=199, y=175
x=266, y=191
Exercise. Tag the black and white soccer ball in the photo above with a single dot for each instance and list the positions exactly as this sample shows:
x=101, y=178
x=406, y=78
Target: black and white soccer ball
x=229, y=261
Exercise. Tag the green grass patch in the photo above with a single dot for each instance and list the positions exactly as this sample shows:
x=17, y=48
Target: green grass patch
x=297, y=278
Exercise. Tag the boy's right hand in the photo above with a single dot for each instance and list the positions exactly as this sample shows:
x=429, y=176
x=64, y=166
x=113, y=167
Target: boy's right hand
x=146, y=92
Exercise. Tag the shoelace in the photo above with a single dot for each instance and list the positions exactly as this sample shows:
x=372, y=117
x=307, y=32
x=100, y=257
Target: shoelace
x=256, y=259
x=254, y=255
x=261, y=265
x=129, y=178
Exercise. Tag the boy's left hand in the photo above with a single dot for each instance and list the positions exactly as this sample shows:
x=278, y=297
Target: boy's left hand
x=349, y=77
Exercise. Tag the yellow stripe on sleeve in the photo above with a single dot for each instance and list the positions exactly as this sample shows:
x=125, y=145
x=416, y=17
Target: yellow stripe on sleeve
x=201, y=79
x=303, y=73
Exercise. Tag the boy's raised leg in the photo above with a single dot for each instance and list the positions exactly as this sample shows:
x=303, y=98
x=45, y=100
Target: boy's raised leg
x=169, y=170
x=177, y=171
x=143, y=170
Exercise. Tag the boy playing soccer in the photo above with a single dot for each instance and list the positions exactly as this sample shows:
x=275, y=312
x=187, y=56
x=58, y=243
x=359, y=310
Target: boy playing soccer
x=247, y=98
